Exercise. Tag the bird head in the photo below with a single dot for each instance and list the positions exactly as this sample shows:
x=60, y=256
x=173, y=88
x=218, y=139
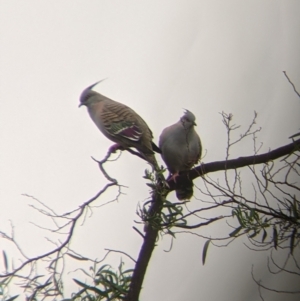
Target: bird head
x=188, y=119
x=86, y=95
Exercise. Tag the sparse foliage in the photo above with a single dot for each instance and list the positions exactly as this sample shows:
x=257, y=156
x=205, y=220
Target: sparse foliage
x=256, y=197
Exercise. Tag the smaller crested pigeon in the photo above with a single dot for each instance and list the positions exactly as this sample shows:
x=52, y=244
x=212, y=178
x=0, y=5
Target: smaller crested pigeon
x=120, y=124
x=181, y=149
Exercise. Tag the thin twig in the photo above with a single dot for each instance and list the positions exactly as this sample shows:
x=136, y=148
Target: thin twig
x=291, y=83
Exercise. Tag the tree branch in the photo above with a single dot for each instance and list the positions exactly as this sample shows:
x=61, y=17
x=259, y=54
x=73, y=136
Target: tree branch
x=291, y=83
x=145, y=252
x=203, y=169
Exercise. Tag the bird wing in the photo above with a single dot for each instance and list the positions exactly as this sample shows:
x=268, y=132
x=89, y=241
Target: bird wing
x=193, y=151
x=121, y=121
x=197, y=148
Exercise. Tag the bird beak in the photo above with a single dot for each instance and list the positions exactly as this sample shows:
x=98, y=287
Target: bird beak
x=194, y=123
x=82, y=104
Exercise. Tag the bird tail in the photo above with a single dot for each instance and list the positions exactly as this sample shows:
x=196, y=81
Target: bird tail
x=185, y=192
x=151, y=159
x=156, y=148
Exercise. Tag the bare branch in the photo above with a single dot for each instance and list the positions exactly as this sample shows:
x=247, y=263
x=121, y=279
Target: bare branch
x=118, y=251
x=291, y=83
x=234, y=164
x=258, y=282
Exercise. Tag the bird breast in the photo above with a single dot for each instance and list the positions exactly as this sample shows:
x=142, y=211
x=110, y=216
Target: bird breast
x=95, y=111
x=180, y=151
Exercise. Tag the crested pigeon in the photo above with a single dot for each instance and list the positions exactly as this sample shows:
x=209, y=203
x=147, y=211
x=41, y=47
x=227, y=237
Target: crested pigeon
x=181, y=149
x=120, y=124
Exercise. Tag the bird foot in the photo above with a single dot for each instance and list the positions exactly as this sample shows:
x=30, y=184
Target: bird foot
x=115, y=147
x=173, y=177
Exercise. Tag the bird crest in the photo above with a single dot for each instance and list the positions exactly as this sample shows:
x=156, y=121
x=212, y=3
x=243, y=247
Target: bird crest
x=188, y=119
x=88, y=92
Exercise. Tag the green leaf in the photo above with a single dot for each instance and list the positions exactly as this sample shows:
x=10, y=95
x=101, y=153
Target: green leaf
x=253, y=214
x=36, y=277
x=292, y=240
x=12, y=298
x=235, y=231
x=295, y=135
x=294, y=207
x=81, y=284
x=102, y=269
x=264, y=235
x=253, y=234
x=204, y=252
x=119, y=288
x=5, y=260
x=92, y=288
x=241, y=220
x=43, y=285
x=151, y=185
x=256, y=216
x=77, y=257
x=275, y=237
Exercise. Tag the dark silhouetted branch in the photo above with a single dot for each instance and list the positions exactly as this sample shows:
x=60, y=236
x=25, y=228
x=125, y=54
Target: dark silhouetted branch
x=145, y=252
x=203, y=169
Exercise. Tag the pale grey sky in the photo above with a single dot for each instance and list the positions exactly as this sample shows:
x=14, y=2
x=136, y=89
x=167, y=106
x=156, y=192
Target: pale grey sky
x=159, y=57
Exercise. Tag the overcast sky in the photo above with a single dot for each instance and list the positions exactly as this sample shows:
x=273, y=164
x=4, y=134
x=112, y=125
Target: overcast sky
x=159, y=57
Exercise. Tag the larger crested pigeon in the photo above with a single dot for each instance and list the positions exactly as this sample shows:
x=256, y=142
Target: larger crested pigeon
x=120, y=124
x=181, y=149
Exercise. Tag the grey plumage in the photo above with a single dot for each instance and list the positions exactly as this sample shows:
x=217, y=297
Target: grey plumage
x=120, y=123
x=181, y=150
